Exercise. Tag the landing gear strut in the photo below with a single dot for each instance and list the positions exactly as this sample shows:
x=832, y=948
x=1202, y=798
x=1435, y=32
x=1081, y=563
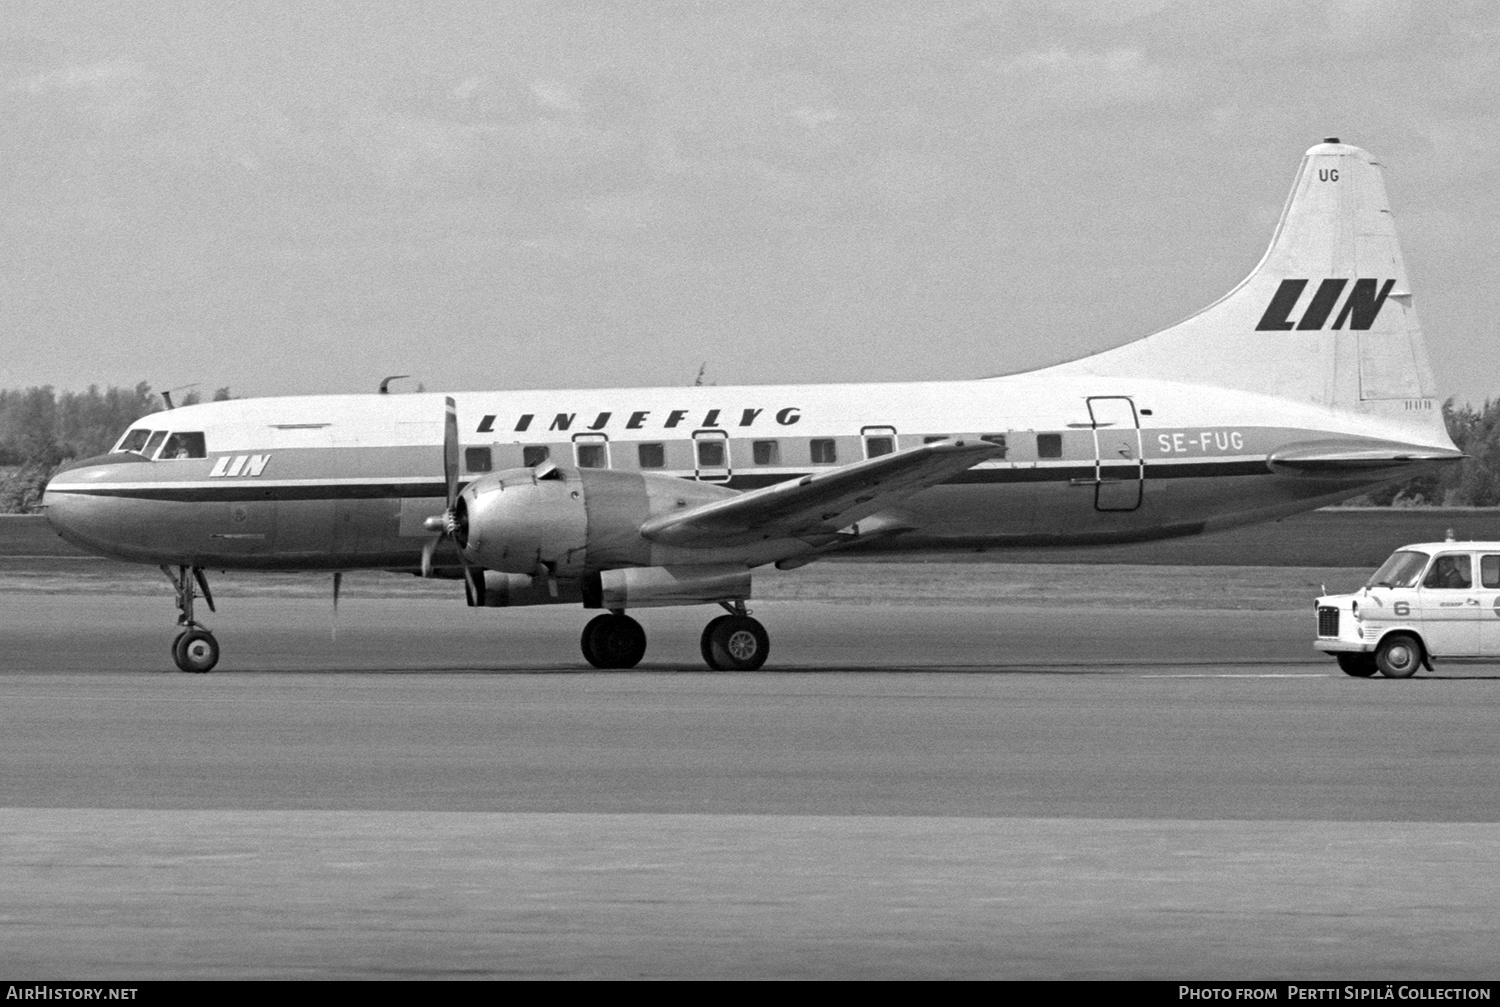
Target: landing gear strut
x=735, y=642
x=195, y=648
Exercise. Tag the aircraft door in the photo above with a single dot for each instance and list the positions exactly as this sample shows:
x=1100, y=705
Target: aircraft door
x=1119, y=466
x=711, y=456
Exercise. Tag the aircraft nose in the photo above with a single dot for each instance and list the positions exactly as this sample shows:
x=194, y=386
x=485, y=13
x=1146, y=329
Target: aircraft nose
x=77, y=513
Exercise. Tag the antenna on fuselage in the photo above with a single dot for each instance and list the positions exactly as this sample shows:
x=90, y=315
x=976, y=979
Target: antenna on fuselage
x=385, y=385
x=166, y=396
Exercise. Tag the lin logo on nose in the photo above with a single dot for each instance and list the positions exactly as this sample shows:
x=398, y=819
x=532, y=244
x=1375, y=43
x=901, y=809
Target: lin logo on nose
x=1360, y=308
x=229, y=466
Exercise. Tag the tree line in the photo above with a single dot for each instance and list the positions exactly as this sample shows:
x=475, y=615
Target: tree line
x=41, y=428
x=1474, y=482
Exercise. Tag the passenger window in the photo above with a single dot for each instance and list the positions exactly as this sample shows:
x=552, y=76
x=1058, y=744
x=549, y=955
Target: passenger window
x=824, y=452
x=155, y=442
x=652, y=456
x=478, y=460
x=766, y=452
x=1489, y=571
x=533, y=455
x=881, y=444
x=1049, y=445
x=711, y=453
x=999, y=440
x=133, y=440
x=1451, y=571
x=592, y=454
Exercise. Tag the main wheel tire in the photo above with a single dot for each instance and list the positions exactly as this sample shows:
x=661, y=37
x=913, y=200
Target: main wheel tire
x=613, y=641
x=175, y=641
x=586, y=641
x=739, y=643
x=706, y=642
x=196, y=651
x=1399, y=656
x=1360, y=665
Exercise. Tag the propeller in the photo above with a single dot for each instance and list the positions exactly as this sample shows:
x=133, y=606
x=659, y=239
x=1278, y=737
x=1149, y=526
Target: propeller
x=450, y=524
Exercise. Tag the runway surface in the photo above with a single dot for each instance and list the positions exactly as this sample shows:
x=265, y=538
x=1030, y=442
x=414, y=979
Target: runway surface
x=981, y=789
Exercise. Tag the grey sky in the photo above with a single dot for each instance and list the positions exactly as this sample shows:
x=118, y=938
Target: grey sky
x=302, y=196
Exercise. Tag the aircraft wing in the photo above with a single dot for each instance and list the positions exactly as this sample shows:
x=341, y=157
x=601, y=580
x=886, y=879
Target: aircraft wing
x=1354, y=457
x=821, y=503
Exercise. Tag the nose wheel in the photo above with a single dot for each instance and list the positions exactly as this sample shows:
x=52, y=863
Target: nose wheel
x=194, y=649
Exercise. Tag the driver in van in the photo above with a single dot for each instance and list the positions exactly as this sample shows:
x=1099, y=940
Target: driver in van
x=1449, y=572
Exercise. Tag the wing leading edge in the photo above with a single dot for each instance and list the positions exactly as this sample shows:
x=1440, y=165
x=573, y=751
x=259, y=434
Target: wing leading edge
x=1355, y=457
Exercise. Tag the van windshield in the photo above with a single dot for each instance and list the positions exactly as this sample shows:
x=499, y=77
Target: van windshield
x=1401, y=570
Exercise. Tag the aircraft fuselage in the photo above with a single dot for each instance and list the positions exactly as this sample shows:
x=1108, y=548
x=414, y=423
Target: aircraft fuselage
x=346, y=482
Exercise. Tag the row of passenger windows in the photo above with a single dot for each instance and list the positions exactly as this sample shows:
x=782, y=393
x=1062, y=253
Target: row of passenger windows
x=713, y=453
x=709, y=452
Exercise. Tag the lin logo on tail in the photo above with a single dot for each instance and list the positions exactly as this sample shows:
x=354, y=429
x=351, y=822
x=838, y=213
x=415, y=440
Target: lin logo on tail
x=1360, y=308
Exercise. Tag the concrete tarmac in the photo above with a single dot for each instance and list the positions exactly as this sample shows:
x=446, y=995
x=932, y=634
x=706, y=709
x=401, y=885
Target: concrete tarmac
x=908, y=791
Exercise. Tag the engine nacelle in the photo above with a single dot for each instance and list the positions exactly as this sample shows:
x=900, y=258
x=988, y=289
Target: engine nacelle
x=565, y=522
x=632, y=587
x=513, y=590
x=652, y=586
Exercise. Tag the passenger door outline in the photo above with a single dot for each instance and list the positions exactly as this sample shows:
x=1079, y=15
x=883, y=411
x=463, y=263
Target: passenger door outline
x=1119, y=462
x=711, y=473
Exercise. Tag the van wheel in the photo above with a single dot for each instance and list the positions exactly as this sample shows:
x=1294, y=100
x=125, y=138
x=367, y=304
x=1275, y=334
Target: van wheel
x=1358, y=665
x=1399, y=656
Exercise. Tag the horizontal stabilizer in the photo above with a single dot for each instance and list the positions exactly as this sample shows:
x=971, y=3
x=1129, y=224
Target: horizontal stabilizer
x=822, y=503
x=1355, y=457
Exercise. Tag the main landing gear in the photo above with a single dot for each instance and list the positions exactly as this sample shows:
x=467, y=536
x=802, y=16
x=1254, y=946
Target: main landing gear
x=733, y=642
x=195, y=648
x=613, y=641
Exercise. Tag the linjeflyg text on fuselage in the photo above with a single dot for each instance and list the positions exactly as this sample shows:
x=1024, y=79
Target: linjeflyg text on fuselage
x=644, y=419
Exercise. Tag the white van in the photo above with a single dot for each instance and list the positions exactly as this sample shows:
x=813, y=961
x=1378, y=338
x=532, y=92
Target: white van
x=1430, y=601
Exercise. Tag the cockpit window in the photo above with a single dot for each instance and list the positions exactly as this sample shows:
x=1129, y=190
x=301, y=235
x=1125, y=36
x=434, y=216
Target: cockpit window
x=155, y=442
x=1401, y=570
x=133, y=440
x=184, y=445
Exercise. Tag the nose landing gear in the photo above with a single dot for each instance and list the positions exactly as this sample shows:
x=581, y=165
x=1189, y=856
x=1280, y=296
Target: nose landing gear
x=194, y=649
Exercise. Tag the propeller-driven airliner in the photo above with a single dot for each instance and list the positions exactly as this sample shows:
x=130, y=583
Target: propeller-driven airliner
x=1306, y=384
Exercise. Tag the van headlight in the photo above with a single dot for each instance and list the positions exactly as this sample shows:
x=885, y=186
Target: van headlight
x=1355, y=606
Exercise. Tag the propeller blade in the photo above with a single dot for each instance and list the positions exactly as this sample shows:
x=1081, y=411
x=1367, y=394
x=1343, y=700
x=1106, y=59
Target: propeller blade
x=338, y=583
x=473, y=586
x=450, y=452
x=427, y=550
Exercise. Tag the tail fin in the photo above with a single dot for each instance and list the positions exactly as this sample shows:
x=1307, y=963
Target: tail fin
x=1326, y=317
